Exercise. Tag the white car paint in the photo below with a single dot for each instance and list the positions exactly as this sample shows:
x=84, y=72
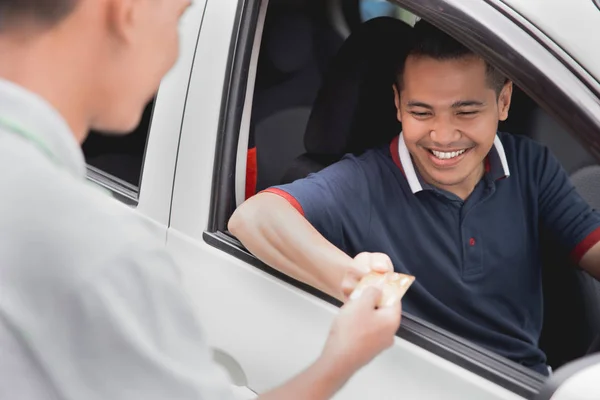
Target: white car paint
x=581, y=386
x=567, y=23
x=161, y=152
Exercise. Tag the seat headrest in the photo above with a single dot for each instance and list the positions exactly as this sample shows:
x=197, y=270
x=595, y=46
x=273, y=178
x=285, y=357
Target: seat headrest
x=290, y=41
x=354, y=109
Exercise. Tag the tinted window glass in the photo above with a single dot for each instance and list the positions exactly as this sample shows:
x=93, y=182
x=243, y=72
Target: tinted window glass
x=120, y=156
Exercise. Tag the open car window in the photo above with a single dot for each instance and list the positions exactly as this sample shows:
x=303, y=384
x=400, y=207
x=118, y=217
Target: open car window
x=286, y=85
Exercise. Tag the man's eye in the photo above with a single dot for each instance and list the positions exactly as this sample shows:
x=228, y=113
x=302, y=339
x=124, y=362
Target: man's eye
x=420, y=114
x=468, y=112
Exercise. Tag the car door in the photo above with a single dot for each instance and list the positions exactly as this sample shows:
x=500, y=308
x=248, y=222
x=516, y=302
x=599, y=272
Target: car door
x=265, y=326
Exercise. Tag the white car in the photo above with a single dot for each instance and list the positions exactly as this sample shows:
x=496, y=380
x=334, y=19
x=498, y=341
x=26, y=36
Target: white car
x=252, y=75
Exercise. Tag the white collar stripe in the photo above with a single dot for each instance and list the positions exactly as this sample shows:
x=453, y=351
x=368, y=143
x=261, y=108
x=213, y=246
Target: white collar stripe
x=408, y=166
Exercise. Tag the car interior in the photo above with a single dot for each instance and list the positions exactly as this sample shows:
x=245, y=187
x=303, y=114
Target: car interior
x=332, y=95
x=287, y=82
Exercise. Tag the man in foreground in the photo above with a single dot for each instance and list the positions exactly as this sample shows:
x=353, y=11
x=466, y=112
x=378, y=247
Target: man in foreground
x=450, y=201
x=91, y=306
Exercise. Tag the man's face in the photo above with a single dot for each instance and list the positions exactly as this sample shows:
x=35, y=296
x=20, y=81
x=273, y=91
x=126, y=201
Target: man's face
x=449, y=118
x=141, y=47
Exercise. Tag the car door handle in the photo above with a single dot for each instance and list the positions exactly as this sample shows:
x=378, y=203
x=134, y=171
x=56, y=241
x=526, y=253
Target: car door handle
x=233, y=368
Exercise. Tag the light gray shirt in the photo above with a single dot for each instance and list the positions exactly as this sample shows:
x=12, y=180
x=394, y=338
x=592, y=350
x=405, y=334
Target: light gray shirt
x=91, y=304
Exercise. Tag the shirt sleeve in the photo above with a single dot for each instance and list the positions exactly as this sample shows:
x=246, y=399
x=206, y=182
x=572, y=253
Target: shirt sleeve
x=563, y=212
x=129, y=332
x=335, y=201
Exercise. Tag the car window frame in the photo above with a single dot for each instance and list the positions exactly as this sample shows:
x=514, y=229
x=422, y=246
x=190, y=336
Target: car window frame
x=125, y=192
x=460, y=22
x=119, y=188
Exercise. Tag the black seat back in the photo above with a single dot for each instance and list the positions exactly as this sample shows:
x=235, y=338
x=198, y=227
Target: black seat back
x=571, y=296
x=296, y=43
x=354, y=109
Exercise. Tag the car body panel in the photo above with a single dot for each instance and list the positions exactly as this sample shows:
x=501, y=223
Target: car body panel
x=161, y=152
x=195, y=162
x=568, y=24
x=274, y=330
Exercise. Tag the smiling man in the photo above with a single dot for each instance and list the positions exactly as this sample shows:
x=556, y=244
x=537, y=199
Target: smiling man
x=450, y=200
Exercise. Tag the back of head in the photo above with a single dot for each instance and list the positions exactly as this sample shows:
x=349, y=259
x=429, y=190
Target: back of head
x=42, y=13
x=99, y=61
x=429, y=41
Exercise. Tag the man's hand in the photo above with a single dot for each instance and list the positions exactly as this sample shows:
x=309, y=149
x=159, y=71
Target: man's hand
x=361, y=265
x=362, y=331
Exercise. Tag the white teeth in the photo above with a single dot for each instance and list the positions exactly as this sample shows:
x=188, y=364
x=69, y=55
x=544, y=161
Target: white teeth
x=443, y=155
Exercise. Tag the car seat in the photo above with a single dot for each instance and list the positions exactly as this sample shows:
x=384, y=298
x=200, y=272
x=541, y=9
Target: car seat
x=355, y=111
x=296, y=46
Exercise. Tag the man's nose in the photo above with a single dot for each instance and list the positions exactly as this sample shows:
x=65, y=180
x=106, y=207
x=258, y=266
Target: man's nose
x=443, y=132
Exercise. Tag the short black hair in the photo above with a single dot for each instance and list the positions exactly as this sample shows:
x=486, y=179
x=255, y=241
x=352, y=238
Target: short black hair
x=429, y=41
x=44, y=12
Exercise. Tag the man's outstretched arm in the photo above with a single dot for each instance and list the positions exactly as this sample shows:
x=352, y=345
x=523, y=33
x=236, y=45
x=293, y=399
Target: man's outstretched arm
x=275, y=232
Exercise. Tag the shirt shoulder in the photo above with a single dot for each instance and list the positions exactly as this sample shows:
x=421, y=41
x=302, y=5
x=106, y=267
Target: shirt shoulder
x=375, y=164
x=526, y=157
x=88, y=275
x=518, y=144
x=57, y=226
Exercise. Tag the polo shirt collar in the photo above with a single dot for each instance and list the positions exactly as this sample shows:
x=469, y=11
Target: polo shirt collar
x=30, y=116
x=496, y=164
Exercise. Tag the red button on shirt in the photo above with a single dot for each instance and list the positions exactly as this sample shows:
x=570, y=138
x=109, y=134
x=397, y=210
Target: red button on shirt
x=472, y=241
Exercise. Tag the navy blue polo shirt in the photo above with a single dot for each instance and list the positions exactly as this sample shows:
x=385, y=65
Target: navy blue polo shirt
x=476, y=262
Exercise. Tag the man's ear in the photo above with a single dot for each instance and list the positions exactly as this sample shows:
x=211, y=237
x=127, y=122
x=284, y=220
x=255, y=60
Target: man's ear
x=504, y=100
x=397, y=102
x=122, y=18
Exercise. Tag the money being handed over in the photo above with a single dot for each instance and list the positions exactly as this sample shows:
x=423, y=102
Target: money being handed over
x=395, y=286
